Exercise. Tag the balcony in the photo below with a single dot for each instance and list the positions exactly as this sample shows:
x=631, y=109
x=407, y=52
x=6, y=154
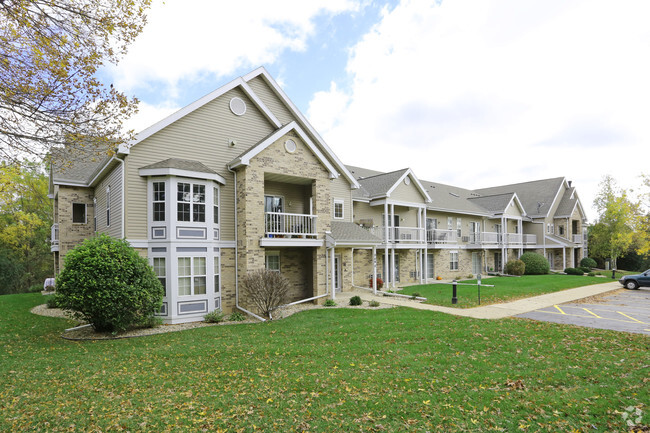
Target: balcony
x=54, y=236
x=290, y=229
x=578, y=239
x=440, y=236
x=401, y=235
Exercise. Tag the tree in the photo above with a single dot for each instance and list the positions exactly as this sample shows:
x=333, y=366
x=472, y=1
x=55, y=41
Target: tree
x=50, y=54
x=25, y=221
x=615, y=230
x=265, y=289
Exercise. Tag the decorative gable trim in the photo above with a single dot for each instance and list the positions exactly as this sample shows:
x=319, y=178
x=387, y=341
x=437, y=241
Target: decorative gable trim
x=246, y=157
x=418, y=185
x=261, y=71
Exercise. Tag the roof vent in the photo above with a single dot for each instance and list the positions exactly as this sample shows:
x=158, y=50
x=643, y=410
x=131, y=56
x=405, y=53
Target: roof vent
x=407, y=180
x=290, y=146
x=238, y=106
x=454, y=194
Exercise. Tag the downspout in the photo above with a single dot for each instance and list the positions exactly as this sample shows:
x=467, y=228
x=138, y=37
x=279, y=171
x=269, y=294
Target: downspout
x=121, y=161
x=261, y=319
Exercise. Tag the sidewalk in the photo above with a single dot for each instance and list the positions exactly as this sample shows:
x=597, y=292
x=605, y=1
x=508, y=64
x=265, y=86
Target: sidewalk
x=494, y=311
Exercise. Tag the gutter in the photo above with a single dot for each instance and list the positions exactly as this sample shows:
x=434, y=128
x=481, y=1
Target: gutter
x=121, y=161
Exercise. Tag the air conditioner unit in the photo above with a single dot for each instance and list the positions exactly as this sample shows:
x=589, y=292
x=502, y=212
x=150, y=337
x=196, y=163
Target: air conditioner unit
x=465, y=238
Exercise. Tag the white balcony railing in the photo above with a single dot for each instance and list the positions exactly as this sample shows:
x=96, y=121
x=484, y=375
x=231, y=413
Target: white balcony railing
x=440, y=236
x=280, y=224
x=578, y=239
x=530, y=239
x=399, y=234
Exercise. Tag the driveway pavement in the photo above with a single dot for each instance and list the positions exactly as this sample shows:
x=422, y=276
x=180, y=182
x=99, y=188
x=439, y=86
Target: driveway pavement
x=620, y=310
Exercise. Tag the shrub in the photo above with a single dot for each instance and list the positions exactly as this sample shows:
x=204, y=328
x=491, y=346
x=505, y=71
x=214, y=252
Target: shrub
x=237, y=317
x=585, y=269
x=374, y=303
x=355, y=300
x=415, y=295
x=107, y=284
x=588, y=262
x=36, y=288
x=380, y=283
x=573, y=271
x=591, y=274
x=265, y=289
x=536, y=264
x=215, y=316
x=515, y=267
x=330, y=303
x=53, y=301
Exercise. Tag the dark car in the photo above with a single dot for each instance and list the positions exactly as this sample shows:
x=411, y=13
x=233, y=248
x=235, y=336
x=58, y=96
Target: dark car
x=635, y=281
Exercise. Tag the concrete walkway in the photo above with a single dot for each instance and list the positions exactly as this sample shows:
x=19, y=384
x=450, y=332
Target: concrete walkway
x=494, y=311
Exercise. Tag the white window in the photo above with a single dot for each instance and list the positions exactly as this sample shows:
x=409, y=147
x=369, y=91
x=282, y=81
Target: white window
x=160, y=269
x=453, y=260
x=338, y=209
x=450, y=223
x=159, y=201
x=459, y=226
x=190, y=200
x=108, y=206
x=191, y=276
x=430, y=269
x=217, y=274
x=215, y=204
x=273, y=261
x=79, y=213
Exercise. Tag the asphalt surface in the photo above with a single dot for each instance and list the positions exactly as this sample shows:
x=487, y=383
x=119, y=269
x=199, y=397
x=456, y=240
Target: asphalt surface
x=621, y=310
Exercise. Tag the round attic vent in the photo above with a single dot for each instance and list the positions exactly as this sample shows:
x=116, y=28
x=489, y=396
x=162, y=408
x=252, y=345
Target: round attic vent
x=407, y=180
x=238, y=106
x=290, y=146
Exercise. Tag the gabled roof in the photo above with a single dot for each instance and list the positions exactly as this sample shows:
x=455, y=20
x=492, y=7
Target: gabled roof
x=244, y=158
x=77, y=166
x=497, y=203
x=568, y=204
x=242, y=82
x=181, y=167
x=536, y=196
x=383, y=184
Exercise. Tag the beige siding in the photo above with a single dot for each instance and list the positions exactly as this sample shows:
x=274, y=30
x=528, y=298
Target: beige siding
x=204, y=136
x=272, y=102
x=340, y=190
x=513, y=210
x=114, y=181
x=296, y=197
x=407, y=193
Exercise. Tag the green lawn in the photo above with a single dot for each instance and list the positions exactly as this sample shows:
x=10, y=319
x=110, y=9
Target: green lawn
x=322, y=370
x=505, y=289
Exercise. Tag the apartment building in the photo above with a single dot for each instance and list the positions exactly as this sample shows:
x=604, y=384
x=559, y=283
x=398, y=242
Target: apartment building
x=239, y=181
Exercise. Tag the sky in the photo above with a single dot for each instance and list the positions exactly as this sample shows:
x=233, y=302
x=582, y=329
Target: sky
x=472, y=93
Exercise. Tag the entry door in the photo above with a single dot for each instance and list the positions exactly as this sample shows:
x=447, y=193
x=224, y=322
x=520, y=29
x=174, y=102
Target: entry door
x=549, y=256
x=497, y=261
x=476, y=263
x=430, y=268
x=337, y=273
x=396, y=225
x=474, y=232
x=497, y=228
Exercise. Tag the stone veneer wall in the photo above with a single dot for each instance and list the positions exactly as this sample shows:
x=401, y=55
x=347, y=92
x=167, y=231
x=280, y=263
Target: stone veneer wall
x=228, y=294
x=72, y=234
x=363, y=267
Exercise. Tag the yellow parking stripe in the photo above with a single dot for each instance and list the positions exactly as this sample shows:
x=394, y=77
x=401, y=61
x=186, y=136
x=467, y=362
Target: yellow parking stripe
x=559, y=309
x=592, y=313
x=631, y=318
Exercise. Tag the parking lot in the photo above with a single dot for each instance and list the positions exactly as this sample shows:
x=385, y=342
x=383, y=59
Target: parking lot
x=620, y=310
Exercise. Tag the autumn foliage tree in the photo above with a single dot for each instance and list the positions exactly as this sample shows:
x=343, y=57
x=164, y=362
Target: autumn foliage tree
x=50, y=55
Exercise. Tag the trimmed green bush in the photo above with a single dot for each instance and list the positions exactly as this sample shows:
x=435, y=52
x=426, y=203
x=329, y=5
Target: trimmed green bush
x=374, y=303
x=515, y=267
x=107, y=284
x=588, y=262
x=330, y=303
x=215, y=316
x=536, y=264
x=355, y=300
x=585, y=269
x=237, y=317
x=573, y=271
x=53, y=301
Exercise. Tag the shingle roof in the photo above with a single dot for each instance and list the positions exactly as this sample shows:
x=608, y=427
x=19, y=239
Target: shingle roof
x=181, y=164
x=452, y=198
x=351, y=232
x=536, y=196
x=567, y=204
x=379, y=184
x=78, y=164
x=360, y=173
x=494, y=203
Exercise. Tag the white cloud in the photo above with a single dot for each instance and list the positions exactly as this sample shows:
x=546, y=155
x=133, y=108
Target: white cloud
x=479, y=93
x=189, y=40
x=148, y=115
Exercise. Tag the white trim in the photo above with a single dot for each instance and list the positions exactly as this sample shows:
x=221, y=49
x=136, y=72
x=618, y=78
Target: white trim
x=342, y=203
x=145, y=172
x=280, y=93
x=280, y=242
x=398, y=203
x=255, y=150
x=419, y=186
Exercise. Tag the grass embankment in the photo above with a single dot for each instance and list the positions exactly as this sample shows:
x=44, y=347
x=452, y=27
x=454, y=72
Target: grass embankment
x=505, y=289
x=322, y=370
